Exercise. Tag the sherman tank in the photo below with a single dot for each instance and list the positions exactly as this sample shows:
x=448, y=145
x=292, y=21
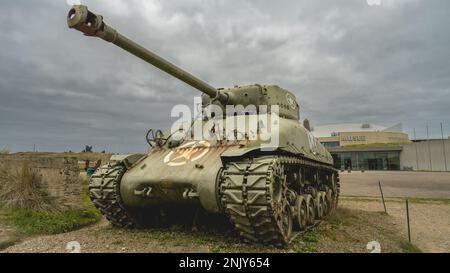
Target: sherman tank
x=267, y=190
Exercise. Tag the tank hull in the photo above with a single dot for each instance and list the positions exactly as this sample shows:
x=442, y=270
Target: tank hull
x=189, y=173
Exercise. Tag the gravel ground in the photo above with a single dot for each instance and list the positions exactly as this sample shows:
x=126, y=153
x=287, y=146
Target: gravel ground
x=100, y=237
x=353, y=226
x=347, y=230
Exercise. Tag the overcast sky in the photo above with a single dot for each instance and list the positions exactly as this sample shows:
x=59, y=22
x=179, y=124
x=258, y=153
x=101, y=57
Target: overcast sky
x=346, y=61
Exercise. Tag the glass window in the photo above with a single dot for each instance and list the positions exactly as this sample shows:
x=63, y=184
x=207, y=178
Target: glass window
x=367, y=160
x=331, y=144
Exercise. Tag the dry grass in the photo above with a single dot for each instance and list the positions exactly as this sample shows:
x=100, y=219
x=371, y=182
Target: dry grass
x=79, y=156
x=20, y=188
x=40, y=217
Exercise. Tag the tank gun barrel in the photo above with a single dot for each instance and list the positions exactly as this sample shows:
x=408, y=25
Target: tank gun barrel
x=91, y=24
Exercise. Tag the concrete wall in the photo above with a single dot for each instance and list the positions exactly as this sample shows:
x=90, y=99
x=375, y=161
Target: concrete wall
x=60, y=176
x=408, y=158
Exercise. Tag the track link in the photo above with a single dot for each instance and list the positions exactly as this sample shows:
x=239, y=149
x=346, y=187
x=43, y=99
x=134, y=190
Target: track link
x=104, y=191
x=253, y=193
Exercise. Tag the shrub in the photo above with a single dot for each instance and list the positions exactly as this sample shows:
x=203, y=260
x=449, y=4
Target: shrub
x=20, y=188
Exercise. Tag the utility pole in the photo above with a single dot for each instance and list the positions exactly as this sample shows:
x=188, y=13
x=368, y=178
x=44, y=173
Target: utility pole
x=443, y=147
x=429, y=149
x=417, y=153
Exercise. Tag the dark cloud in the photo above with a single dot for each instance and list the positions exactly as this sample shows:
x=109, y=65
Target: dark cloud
x=345, y=60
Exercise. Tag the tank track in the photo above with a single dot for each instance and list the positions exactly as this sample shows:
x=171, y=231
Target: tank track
x=246, y=194
x=104, y=188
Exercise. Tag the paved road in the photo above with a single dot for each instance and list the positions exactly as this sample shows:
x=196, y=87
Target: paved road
x=397, y=184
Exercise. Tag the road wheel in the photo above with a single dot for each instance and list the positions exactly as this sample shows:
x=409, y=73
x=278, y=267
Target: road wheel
x=325, y=207
x=319, y=206
x=286, y=223
x=329, y=200
x=311, y=210
x=302, y=212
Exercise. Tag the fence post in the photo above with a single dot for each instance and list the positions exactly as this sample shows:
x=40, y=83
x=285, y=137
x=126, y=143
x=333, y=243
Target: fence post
x=382, y=196
x=407, y=220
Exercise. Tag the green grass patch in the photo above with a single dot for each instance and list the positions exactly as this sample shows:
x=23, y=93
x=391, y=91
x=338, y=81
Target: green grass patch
x=88, y=207
x=305, y=248
x=32, y=222
x=407, y=247
x=307, y=242
x=310, y=237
